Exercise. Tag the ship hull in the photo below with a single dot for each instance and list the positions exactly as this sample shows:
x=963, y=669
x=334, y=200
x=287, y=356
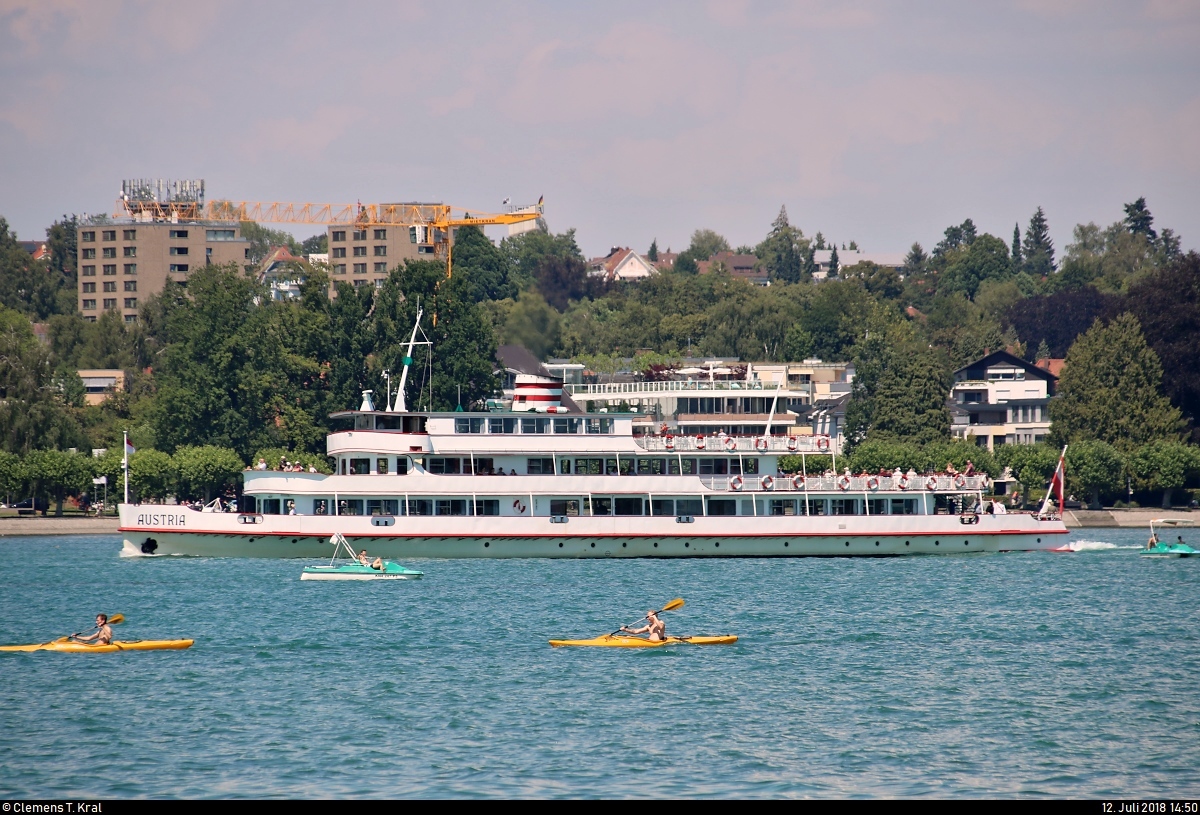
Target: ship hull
x=173, y=531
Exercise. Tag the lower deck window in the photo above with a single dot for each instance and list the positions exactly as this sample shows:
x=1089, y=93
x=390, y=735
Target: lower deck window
x=786, y=506
x=904, y=506
x=567, y=506
x=420, y=506
x=722, y=506
x=689, y=506
x=539, y=466
x=383, y=506
x=268, y=506
x=320, y=506
x=487, y=506
x=843, y=506
x=627, y=506
x=452, y=506
x=350, y=506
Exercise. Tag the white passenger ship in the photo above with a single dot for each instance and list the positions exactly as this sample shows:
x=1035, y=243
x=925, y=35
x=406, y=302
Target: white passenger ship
x=534, y=480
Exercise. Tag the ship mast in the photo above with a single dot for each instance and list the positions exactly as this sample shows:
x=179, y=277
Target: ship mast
x=401, y=406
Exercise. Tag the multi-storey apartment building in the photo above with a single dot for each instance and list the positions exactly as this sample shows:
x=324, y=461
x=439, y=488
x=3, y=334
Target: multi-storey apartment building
x=1001, y=399
x=121, y=264
x=363, y=257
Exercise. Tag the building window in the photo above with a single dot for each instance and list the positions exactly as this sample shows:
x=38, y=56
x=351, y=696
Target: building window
x=110, y=269
x=89, y=304
x=360, y=251
x=109, y=252
x=89, y=271
x=379, y=282
x=380, y=251
x=178, y=233
x=360, y=268
x=110, y=303
x=89, y=288
x=360, y=234
x=131, y=318
x=130, y=268
x=220, y=234
x=178, y=250
x=130, y=302
x=179, y=267
x=339, y=251
x=339, y=268
x=359, y=283
x=109, y=235
x=381, y=234
x=339, y=235
x=130, y=234
x=130, y=251
x=89, y=254
x=425, y=249
x=110, y=285
x=381, y=267
x=130, y=285
x=88, y=236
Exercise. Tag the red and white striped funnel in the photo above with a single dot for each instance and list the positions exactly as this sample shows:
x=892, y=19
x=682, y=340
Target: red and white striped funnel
x=540, y=393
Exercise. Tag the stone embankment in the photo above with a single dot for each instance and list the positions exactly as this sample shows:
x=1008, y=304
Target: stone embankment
x=1121, y=517
x=12, y=527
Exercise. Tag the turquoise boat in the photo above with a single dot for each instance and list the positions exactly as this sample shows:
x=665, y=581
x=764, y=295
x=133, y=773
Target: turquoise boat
x=1158, y=548
x=354, y=570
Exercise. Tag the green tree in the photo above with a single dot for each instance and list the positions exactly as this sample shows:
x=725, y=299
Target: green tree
x=152, y=475
x=916, y=261
x=532, y=323
x=263, y=239
x=1110, y=390
x=205, y=469
x=798, y=344
x=526, y=251
x=652, y=253
x=1094, y=468
x=481, y=263
x=783, y=250
x=1015, y=253
x=1139, y=221
x=315, y=244
x=30, y=286
x=833, y=263
x=985, y=258
x=685, y=264
x=706, y=243
x=881, y=281
x=1032, y=464
x=1038, y=248
x=57, y=474
x=1164, y=465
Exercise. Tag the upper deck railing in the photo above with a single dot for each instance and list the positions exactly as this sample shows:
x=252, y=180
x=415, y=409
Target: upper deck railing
x=677, y=386
x=785, y=445
x=854, y=485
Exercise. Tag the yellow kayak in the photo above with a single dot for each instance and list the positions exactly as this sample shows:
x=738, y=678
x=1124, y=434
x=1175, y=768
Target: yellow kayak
x=68, y=646
x=624, y=641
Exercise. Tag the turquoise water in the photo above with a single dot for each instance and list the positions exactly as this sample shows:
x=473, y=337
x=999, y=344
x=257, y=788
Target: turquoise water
x=963, y=676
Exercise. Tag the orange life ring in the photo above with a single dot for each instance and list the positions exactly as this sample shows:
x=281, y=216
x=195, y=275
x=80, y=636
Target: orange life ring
x=792, y=444
x=768, y=482
x=843, y=482
x=823, y=443
x=960, y=481
x=931, y=483
x=902, y=482
x=761, y=444
x=735, y=483
x=797, y=482
x=700, y=442
x=873, y=482
x=670, y=442
x=730, y=443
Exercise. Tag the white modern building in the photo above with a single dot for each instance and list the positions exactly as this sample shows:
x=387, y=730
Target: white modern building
x=1001, y=399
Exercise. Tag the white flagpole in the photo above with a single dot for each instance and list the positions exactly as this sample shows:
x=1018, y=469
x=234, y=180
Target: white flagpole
x=125, y=461
x=1060, y=475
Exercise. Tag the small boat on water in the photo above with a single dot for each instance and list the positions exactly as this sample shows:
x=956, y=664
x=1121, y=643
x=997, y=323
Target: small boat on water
x=1158, y=548
x=355, y=570
x=626, y=641
x=66, y=645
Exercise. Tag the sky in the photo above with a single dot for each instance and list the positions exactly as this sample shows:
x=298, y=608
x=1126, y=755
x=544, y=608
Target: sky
x=878, y=122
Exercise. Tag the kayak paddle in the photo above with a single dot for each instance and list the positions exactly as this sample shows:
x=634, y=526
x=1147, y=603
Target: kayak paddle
x=671, y=606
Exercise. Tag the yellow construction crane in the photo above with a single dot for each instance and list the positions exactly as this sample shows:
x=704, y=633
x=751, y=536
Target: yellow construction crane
x=437, y=220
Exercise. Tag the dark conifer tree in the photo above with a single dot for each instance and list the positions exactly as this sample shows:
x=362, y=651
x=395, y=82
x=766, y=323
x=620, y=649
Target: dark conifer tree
x=1038, y=249
x=1016, y=248
x=652, y=254
x=833, y=262
x=1138, y=220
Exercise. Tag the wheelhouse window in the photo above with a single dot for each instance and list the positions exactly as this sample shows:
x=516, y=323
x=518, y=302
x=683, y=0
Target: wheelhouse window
x=502, y=425
x=599, y=426
x=360, y=466
x=563, y=426
x=468, y=425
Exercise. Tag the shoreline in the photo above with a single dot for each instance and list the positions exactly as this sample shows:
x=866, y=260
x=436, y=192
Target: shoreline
x=1073, y=518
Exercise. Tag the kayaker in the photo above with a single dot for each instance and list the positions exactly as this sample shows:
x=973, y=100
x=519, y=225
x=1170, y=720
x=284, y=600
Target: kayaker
x=103, y=633
x=655, y=628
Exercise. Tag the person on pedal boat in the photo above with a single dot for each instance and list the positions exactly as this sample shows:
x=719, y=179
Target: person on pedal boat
x=655, y=628
x=376, y=564
x=103, y=634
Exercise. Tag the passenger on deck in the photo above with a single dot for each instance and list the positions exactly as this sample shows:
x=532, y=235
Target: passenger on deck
x=262, y=464
x=950, y=469
x=512, y=472
x=654, y=627
x=969, y=469
x=897, y=473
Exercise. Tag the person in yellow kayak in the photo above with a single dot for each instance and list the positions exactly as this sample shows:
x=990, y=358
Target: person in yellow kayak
x=377, y=564
x=103, y=632
x=655, y=628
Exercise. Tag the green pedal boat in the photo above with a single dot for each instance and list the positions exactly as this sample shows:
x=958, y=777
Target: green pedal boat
x=355, y=570
x=1157, y=548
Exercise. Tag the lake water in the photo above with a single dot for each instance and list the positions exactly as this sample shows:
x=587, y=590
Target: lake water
x=1063, y=675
